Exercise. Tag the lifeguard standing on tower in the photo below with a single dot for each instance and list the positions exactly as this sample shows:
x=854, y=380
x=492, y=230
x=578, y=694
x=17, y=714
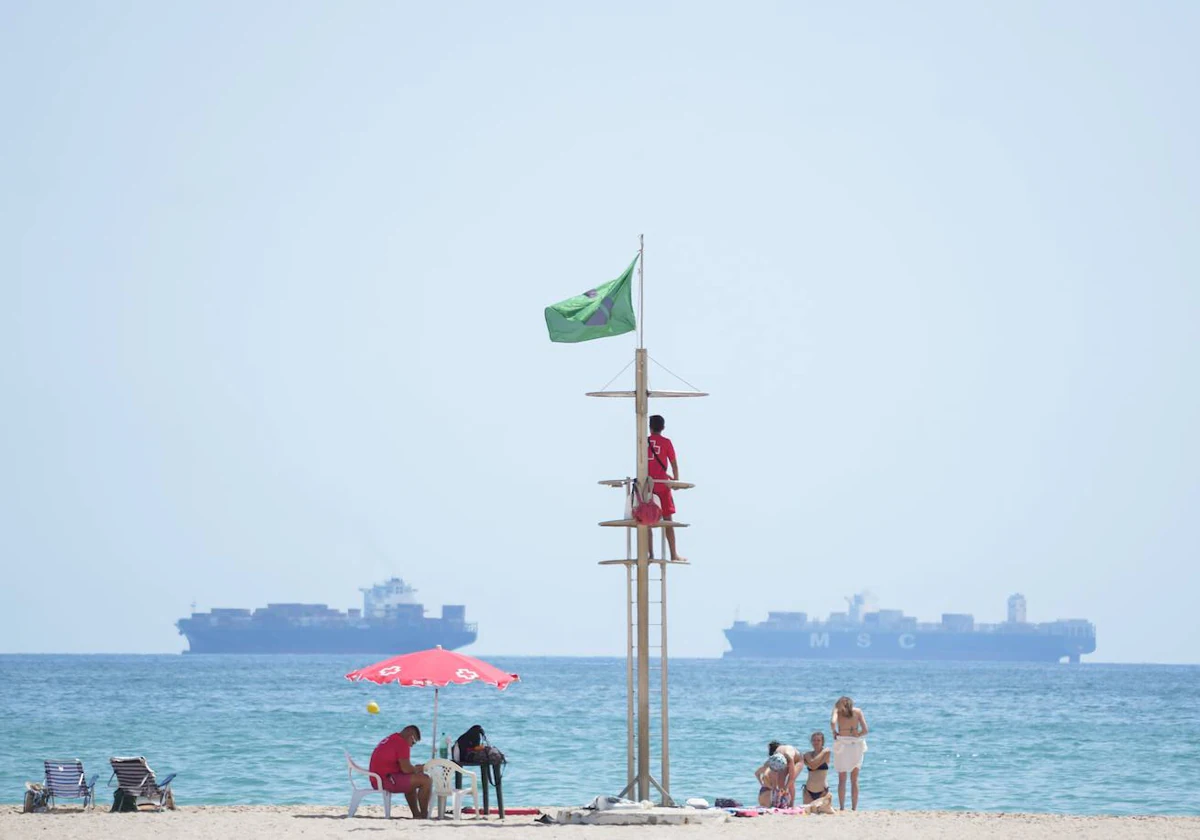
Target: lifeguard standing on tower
x=604, y=311
x=660, y=453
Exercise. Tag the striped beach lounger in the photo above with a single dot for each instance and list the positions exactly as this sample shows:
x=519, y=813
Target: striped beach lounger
x=136, y=780
x=65, y=779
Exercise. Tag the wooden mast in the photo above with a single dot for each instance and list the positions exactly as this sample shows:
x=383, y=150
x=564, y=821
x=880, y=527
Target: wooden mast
x=642, y=406
x=638, y=583
x=643, y=595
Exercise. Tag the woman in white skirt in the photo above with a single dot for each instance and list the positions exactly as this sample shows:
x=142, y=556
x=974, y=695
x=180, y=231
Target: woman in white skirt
x=849, y=743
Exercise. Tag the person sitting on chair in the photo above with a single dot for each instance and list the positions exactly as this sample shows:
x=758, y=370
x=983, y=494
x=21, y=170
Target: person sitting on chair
x=391, y=761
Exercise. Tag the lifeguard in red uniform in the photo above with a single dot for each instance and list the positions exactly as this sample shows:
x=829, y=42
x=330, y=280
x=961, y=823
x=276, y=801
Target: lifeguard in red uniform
x=392, y=762
x=662, y=452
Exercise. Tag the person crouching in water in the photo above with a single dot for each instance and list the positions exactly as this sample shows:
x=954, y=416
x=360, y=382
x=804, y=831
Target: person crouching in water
x=777, y=777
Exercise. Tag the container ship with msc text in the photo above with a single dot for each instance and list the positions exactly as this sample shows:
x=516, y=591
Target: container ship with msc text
x=890, y=634
x=390, y=621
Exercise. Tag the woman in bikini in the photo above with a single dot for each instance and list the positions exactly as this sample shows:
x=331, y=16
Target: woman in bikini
x=849, y=727
x=776, y=779
x=817, y=762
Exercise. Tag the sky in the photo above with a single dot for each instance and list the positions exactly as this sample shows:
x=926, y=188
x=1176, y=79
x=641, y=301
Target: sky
x=273, y=277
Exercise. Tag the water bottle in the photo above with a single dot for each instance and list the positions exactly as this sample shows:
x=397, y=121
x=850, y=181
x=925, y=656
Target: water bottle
x=444, y=749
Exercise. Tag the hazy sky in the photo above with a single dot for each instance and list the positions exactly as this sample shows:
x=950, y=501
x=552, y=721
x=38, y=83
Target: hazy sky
x=273, y=275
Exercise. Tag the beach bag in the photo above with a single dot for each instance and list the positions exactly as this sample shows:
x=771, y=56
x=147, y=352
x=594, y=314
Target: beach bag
x=122, y=801
x=469, y=745
x=36, y=799
x=645, y=509
x=648, y=513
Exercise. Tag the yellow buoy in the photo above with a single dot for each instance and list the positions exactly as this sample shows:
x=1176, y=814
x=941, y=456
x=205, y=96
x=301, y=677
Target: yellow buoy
x=373, y=707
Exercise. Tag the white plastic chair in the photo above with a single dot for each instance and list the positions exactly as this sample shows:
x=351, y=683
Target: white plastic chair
x=357, y=793
x=442, y=772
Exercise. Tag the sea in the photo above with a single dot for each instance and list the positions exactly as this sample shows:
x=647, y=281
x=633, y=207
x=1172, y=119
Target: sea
x=1086, y=739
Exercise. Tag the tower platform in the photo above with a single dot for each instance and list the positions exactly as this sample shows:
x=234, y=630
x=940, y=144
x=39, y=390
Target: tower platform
x=633, y=562
x=633, y=523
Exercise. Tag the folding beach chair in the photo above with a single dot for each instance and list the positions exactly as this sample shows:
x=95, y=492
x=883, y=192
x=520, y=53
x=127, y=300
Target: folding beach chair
x=136, y=780
x=65, y=779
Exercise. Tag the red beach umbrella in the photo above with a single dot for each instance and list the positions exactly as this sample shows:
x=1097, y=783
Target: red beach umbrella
x=437, y=668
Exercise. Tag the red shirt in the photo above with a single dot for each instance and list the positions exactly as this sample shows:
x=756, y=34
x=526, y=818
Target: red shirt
x=388, y=754
x=657, y=467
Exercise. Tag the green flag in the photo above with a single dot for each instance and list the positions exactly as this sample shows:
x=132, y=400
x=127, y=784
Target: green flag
x=597, y=313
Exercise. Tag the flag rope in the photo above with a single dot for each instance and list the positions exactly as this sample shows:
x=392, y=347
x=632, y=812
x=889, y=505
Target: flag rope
x=618, y=376
x=672, y=373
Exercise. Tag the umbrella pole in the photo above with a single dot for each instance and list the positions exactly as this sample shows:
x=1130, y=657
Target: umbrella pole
x=433, y=737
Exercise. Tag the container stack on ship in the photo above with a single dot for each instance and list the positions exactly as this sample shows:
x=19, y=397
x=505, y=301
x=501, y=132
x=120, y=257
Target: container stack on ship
x=890, y=634
x=391, y=621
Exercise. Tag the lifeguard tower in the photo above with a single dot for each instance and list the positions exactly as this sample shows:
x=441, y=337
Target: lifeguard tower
x=645, y=587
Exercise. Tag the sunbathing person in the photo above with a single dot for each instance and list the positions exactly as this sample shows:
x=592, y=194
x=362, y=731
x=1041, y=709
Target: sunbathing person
x=391, y=761
x=817, y=762
x=795, y=763
x=776, y=779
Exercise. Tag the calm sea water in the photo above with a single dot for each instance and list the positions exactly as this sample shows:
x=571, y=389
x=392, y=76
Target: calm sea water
x=1093, y=739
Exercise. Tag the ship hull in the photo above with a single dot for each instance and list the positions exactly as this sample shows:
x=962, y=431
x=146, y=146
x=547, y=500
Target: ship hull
x=357, y=639
x=945, y=646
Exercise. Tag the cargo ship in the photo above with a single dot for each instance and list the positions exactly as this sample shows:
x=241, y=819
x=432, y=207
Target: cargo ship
x=390, y=621
x=890, y=634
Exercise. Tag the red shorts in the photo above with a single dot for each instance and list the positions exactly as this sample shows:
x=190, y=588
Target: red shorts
x=396, y=783
x=665, y=500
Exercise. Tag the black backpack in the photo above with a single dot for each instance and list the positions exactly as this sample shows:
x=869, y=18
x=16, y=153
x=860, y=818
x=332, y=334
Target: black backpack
x=471, y=741
x=123, y=801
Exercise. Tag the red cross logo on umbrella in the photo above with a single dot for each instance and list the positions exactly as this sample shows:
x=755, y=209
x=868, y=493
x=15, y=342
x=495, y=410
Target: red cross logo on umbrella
x=437, y=668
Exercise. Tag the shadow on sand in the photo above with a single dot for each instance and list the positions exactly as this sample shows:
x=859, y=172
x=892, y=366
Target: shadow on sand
x=468, y=823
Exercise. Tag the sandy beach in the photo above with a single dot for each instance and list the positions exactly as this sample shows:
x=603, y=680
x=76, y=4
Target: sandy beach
x=260, y=822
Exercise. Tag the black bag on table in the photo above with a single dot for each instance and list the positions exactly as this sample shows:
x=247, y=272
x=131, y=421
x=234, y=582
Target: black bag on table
x=472, y=748
x=470, y=743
